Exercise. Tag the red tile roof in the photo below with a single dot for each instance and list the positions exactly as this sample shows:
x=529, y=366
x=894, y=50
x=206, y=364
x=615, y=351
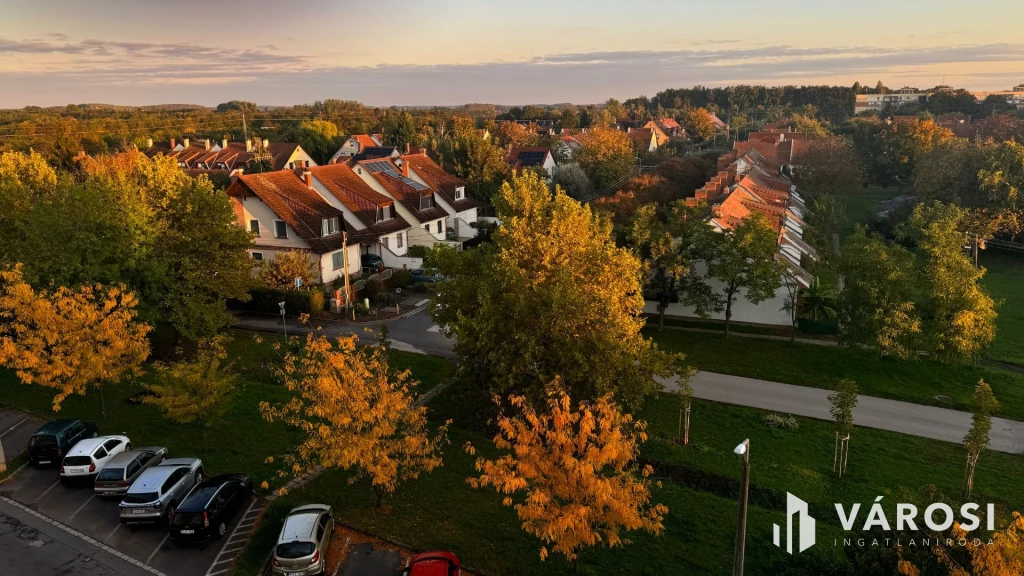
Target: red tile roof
x=359, y=197
x=409, y=197
x=440, y=181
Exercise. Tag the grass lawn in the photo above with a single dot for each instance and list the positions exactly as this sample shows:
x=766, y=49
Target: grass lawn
x=1004, y=280
x=861, y=205
x=824, y=366
x=240, y=441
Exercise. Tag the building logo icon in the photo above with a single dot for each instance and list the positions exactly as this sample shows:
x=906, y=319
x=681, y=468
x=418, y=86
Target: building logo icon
x=796, y=507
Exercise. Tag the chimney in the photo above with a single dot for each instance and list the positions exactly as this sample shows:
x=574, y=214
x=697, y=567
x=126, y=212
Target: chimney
x=405, y=169
x=149, y=142
x=186, y=143
x=266, y=143
x=248, y=144
x=206, y=143
x=173, y=143
x=224, y=142
x=308, y=177
x=408, y=148
x=509, y=150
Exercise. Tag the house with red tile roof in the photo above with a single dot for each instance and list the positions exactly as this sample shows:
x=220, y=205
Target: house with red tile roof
x=283, y=211
x=449, y=192
x=205, y=156
x=644, y=139
x=518, y=159
x=355, y=144
x=660, y=133
x=670, y=126
x=416, y=202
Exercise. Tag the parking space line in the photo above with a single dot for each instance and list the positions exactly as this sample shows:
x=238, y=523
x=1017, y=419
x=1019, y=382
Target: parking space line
x=232, y=547
x=11, y=429
x=234, y=533
x=40, y=497
x=82, y=506
x=116, y=528
x=158, y=547
x=217, y=572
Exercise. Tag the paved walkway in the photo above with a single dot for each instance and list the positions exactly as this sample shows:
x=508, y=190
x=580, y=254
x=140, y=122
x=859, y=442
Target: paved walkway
x=415, y=332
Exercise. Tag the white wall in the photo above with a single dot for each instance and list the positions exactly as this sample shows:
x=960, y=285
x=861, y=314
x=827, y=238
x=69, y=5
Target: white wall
x=327, y=270
x=404, y=212
x=254, y=208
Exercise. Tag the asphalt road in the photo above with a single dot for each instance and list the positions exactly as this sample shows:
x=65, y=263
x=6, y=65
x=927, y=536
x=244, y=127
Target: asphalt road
x=416, y=332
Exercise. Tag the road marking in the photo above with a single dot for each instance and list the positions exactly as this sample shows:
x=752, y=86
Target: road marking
x=234, y=533
x=158, y=547
x=434, y=328
x=11, y=429
x=81, y=536
x=116, y=528
x=422, y=302
x=47, y=491
x=82, y=506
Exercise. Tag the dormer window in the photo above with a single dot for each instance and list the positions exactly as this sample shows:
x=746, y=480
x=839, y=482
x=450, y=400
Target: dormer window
x=460, y=193
x=385, y=213
x=330, y=226
x=426, y=202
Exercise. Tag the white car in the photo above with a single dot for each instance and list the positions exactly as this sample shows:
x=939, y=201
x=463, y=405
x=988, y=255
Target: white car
x=90, y=455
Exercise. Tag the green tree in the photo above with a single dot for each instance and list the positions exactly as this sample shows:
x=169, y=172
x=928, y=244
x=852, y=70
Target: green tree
x=818, y=302
x=195, y=390
x=570, y=118
x=698, y=123
x=572, y=179
x=983, y=406
x=319, y=138
x=811, y=126
x=400, y=130
x=842, y=401
x=606, y=155
x=828, y=166
x=552, y=295
x=743, y=261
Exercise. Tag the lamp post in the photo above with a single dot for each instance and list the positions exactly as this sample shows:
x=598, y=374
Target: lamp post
x=283, y=321
x=741, y=525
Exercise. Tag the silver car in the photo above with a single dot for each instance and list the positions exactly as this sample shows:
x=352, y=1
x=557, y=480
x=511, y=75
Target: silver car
x=302, y=546
x=125, y=468
x=159, y=489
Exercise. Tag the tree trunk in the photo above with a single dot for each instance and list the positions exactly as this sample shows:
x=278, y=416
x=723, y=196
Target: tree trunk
x=202, y=428
x=380, y=495
x=679, y=431
x=103, y=403
x=686, y=427
x=728, y=314
x=661, y=316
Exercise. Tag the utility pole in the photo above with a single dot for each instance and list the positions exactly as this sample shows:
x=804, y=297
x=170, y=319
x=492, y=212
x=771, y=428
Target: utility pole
x=284, y=322
x=741, y=525
x=344, y=259
x=245, y=129
x=974, y=250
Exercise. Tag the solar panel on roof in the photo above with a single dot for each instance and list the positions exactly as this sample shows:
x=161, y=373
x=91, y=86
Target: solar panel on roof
x=379, y=166
x=532, y=158
x=407, y=181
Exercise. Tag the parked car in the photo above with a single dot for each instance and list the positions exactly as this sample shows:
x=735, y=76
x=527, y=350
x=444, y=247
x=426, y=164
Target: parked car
x=124, y=469
x=158, y=490
x=371, y=263
x=433, y=564
x=55, y=439
x=90, y=455
x=421, y=276
x=302, y=546
x=207, y=510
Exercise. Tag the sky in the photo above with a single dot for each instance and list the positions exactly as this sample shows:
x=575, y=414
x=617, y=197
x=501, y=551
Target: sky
x=451, y=52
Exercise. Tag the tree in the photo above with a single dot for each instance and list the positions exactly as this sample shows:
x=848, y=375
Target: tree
x=843, y=401
x=606, y=155
x=400, y=130
x=959, y=314
x=698, y=123
x=355, y=413
x=983, y=406
x=903, y=142
x=195, y=390
x=818, y=302
x=1003, y=557
x=576, y=467
x=468, y=156
x=69, y=339
x=281, y=271
x=685, y=395
x=876, y=307
x=684, y=175
x=570, y=118
x=828, y=167
x=791, y=304
x=572, y=179
x=319, y=138
x=552, y=295
x=811, y=126
x=743, y=259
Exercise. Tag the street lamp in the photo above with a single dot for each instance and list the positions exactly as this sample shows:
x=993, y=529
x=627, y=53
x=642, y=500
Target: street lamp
x=741, y=525
x=283, y=322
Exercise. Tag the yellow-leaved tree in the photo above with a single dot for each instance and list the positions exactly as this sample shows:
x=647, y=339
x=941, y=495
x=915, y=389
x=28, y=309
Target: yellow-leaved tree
x=1003, y=557
x=356, y=413
x=70, y=339
x=576, y=466
x=195, y=390
x=282, y=270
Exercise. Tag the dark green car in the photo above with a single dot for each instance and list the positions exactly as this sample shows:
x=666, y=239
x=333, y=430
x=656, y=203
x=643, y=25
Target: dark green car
x=54, y=439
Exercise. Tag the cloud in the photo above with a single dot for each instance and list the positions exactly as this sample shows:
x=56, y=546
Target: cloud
x=147, y=73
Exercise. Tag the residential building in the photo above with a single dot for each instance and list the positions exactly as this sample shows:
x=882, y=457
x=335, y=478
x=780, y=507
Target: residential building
x=415, y=202
x=536, y=157
x=660, y=134
x=283, y=212
x=375, y=152
x=355, y=144
x=901, y=97
x=205, y=156
x=669, y=126
x=1014, y=97
x=718, y=123
x=644, y=139
x=450, y=193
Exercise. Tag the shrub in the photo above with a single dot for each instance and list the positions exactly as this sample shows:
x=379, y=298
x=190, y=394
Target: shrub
x=401, y=278
x=372, y=288
x=266, y=299
x=385, y=299
x=781, y=422
x=418, y=251
x=316, y=302
x=362, y=309
x=420, y=288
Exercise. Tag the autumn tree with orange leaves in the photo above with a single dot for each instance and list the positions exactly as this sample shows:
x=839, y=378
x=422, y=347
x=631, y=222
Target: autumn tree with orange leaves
x=1003, y=555
x=70, y=339
x=577, y=467
x=356, y=413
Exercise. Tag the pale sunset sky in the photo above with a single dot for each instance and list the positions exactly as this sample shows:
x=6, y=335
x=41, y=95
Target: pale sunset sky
x=447, y=52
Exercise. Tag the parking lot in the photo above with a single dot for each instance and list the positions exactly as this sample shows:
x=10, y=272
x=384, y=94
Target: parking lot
x=76, y=507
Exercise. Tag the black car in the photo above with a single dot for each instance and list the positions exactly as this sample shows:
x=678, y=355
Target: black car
x=371, y=262
x=55, y=439
x=207, y=510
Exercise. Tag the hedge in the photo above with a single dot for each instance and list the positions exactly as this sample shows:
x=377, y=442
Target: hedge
x=266, y=299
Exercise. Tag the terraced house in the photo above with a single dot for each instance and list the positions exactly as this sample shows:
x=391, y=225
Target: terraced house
x=229, y=158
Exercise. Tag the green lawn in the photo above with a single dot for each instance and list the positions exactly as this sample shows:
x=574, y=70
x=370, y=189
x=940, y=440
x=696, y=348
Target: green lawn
x=861, y=205
x=240, y=441
x=824, y=366
x=1004, y=280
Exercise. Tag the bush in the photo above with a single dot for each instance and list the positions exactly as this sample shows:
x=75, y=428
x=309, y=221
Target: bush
x=420, y=288
x=401, y=278
x=362, y=309
x=418, y=251
x=372, y=288
x=780, y=422
x=385, y=299
x=316, y=302
x=266, y=299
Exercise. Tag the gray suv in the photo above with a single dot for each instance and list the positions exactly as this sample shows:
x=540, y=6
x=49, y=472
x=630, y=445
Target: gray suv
x=159, y=489
x=124, y=469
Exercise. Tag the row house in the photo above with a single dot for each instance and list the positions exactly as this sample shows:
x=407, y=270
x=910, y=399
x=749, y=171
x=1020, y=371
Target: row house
x=283, y=212
x=205, y=156
x=355, y=144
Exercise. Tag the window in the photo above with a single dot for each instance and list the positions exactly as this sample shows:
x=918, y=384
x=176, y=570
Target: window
x=257, y=255
x=459, y=192
x=399, y=244
x=386, y=212
x=133, y=468
x=439, y=224
x=384, y=241
x=100, y=454
x=280, y=229
x=254, y=227
x=426, y=227
x=330, y=226
x=338, y=259
x=111, y=444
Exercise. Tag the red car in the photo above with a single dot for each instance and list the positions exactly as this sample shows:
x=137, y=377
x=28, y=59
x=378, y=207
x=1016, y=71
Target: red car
x=433, y=564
